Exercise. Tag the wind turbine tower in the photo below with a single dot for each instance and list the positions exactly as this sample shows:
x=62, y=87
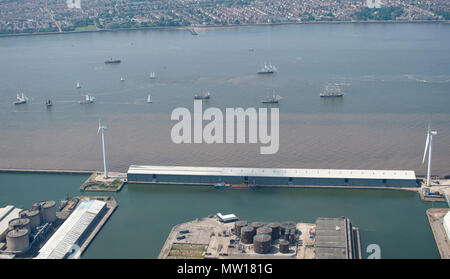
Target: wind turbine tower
x=103, y=128
x=429, y=147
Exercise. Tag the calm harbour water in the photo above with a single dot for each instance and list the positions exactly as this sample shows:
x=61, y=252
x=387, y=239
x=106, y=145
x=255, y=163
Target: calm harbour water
x=395, y=76
x=138, y=228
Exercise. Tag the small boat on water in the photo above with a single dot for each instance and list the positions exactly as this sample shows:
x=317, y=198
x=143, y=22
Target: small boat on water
x=152, y=75
x=21, y=99
x=88, y=100
x=267, y=69
x=193, y=32
x=48, y=103
x=223, y=185
x=122, y=79
x=112, y=61
x=332, y=91
x=275, y=99
x=205, y=96
x=78, y=85
x=149, y=99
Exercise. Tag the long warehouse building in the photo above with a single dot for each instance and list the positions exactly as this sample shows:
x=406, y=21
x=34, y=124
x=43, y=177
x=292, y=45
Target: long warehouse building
x=73, y=231
x=270, y=176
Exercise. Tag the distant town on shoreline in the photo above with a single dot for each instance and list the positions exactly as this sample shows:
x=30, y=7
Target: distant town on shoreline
x=48, y=16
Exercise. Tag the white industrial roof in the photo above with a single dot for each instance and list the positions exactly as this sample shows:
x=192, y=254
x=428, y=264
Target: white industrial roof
x=227, y=217
x=70, y=231
x=4, y=211
x=446, y=223
x=274, y=172
x=12, y=214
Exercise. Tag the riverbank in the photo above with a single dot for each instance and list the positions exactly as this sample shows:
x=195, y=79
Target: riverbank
x=208, y=27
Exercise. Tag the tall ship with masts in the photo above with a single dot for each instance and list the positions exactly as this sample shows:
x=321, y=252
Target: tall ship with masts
x=274, y=99
x=332, y=91
x=21, y=99
x=267, y=69
x=87, y=100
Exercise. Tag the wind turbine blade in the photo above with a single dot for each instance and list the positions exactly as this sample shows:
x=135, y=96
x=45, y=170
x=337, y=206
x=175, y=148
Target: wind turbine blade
x=426, y=147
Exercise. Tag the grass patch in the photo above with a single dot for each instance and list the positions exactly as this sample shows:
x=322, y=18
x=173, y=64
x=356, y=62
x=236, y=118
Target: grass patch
x=85, y=28
x=187, y=251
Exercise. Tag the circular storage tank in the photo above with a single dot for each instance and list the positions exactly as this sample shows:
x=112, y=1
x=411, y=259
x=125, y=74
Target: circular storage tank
x=262, y=243
x=264, y=230
x=284, y=246
x=287, y=226
x=49, y=211
x=257, y=224
x=247, y=234
x=286, y=234
x=19, y=223
x=238, y=226
x=275, y=230
x=17, y=240
x=292, y=238
x=33, y=215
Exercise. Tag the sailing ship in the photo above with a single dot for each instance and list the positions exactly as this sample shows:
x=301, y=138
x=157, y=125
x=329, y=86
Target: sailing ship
x=122, y=79
x=48, y=103
x=78, y=85
x=149, y=99
x=112, y=61
x=153, y=75
x=206, y=95
x=275, y=99
x=332, y=91
x=21, y=99
x=267, y=69
x=88, y=100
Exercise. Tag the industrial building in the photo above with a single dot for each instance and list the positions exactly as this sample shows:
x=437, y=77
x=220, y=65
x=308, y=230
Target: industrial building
x=270, y=176
x=329, y=238
x=7, y=214
x=334, y=239
x=21, y=229
x=73, y=231
x=446, y=224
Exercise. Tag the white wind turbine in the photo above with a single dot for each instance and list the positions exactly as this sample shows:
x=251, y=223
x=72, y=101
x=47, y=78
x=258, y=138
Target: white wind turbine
x=103, y=128
x=429, y=147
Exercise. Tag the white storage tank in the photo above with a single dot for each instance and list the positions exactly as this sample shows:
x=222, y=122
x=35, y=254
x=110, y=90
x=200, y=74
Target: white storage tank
x=49, y=211
x=33, y=215
x=17, y=240
x=19, y=223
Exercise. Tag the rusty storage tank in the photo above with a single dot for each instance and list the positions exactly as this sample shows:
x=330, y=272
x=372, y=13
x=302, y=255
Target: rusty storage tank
x=257, y=224
x=19, y=223
x=247, y=234
x=275, y=230
x=284, y=246
x=287, y=226
x=33, y=215
x=48, y=211
x=292, y=238
x=262, y=243
x=17, y=240
x=238, y=226
x=287, y=232
x=264, y=230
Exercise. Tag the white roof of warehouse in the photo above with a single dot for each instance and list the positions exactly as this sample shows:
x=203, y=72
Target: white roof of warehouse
x=274, y=172
x=70, y=231
x=8, y=213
